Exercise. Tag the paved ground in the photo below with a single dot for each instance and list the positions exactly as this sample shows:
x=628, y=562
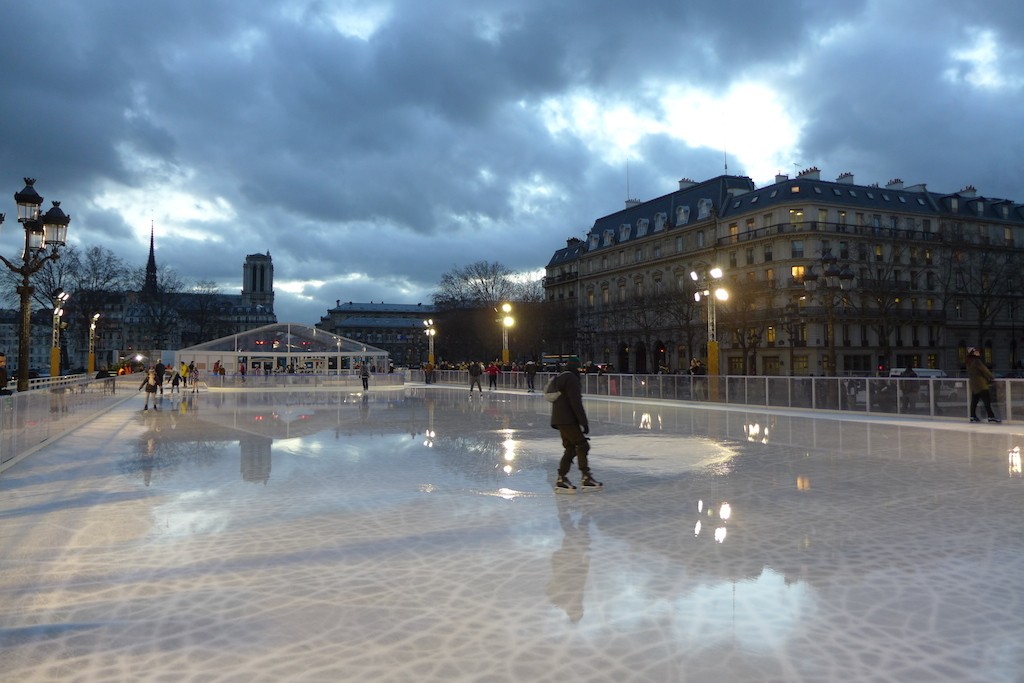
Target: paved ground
x=412, y=535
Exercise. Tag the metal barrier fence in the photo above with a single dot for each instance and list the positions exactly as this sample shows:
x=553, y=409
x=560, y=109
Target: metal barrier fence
x=345, y=380
x=30, y=418
x=919, y=397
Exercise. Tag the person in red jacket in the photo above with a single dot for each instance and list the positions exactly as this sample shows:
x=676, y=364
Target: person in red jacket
x=492, y=375
x=570, y=419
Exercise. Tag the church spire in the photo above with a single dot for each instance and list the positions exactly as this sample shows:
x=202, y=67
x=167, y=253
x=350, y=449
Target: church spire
x=150, y=288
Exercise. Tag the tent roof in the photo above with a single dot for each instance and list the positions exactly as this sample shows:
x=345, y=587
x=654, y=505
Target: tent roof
x=286, y=338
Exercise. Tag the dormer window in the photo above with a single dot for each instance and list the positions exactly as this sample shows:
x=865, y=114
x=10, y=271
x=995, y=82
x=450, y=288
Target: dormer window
x=954, y=204
x=609, y=237
x=624, y=232
x=641, y=227
x=659, y=221
x=682, y=215
x=979, y=207
x=595, y=240
x=704, y=207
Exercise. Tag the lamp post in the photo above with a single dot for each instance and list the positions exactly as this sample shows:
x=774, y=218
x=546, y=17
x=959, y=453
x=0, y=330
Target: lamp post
x=828, y=285
x=59, y=299
x=707, y=288
x=41, y=232
x=506, y=321
x=92, y=344
x=430, y=332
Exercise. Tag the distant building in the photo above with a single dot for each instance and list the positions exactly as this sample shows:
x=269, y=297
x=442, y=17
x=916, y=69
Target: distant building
x=824, y=278
x=397, y=328
x=153, y=320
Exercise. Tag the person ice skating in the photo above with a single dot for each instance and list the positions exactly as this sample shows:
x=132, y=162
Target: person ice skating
x=160, y=370
x=150, y=384
x=492, y=375
x=364, y=374
x=531, y=375
x=474, y=377
x=570, y=419
x=979, y=379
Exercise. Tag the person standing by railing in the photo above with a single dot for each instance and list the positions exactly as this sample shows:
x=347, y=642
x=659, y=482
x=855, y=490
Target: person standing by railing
x=4, y=379
x=979, y=380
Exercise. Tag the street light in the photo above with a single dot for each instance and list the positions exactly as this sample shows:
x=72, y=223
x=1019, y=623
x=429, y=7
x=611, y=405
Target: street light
x=59, y=299
x=92, y=344
x=707, y=288
x=831, y=282
x=430, y=332
x=507, y=321
x=51, y=231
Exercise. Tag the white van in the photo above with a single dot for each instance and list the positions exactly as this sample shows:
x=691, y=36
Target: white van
x=920, y=372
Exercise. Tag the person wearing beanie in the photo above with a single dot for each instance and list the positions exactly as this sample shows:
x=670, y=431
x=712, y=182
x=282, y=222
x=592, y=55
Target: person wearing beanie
x=979, y=379
x=570, y=419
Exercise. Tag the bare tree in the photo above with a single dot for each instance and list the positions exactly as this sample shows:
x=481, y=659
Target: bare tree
x=746, y=318
x=158, y=311
x=646, y=314
x=683, y=313
x=481, y=284
x=96, y=275
x=201, y=314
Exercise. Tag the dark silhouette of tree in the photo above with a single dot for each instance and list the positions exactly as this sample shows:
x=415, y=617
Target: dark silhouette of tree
x=156, y=313
x=478, y=285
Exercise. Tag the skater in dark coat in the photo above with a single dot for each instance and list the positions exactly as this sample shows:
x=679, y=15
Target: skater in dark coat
x=570, y=419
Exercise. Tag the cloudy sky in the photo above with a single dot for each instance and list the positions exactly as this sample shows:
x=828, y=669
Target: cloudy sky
x=371, y=146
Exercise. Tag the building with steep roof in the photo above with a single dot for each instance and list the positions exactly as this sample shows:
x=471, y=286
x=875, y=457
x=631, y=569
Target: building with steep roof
x=825, y=277
x=397, y=328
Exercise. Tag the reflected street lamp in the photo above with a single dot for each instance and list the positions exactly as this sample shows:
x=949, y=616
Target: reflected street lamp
x=41, y=232
x=709, y=287
x=507, y=321
x=92, y=344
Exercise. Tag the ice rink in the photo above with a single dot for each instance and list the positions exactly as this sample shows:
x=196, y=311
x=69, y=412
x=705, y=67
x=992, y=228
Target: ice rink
x=413, y=535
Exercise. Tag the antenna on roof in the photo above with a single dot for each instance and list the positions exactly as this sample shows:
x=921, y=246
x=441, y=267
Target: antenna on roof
x=627, y=178
x=725, y=158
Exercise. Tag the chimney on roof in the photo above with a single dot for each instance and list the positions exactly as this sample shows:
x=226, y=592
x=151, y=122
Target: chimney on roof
x=969, y=191
x=781, y=177
x=337, y=303
x=845, y=178
x=812, y=173
x=685, y=183
x=894, y=184
x=572, y=241
x=630, y=203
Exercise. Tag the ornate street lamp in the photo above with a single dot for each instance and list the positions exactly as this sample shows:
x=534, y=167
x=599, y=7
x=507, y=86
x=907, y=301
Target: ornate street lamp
x=506, y=321
x=430, y=332
x=59, y=299
x=92, y=344
x=709, y=287
x=48, y=231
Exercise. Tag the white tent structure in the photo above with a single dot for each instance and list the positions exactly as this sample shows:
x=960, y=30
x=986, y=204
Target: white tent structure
x=283, y=348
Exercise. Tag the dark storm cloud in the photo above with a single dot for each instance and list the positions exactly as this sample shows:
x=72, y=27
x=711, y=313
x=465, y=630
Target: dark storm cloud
x=374, y=160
